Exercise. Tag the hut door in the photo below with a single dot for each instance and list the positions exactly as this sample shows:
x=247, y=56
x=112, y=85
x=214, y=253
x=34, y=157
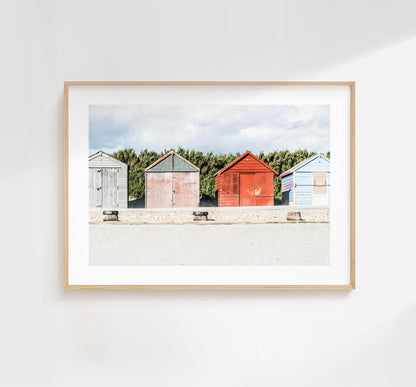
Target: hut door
x=159, y=190
x=185, y=189
x=247, y=191
x=95, y=184
x=319, y=189
x=112, y=188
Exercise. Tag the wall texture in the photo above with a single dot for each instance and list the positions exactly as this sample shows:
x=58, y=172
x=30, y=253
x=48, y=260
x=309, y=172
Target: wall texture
x=52, y=337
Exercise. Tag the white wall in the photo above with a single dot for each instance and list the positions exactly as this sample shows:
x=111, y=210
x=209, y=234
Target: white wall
x=52, y=337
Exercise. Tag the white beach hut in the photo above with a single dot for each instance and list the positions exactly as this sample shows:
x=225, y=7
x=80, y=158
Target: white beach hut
x=107, y=181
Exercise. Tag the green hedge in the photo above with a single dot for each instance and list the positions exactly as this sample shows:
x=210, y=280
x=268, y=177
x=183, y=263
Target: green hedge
x=208, y=163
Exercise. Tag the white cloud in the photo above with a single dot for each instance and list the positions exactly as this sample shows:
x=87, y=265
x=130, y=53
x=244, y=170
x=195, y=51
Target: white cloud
x=226, y=128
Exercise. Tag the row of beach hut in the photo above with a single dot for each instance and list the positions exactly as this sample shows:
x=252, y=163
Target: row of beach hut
x=173, y=182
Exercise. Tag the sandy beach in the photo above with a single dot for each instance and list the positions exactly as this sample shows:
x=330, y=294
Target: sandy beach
x=305, y=244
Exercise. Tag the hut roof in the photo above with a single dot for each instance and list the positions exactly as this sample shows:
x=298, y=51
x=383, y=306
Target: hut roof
x=245, y=154
x=100, y=153
x=302, y=163
x=172, y=162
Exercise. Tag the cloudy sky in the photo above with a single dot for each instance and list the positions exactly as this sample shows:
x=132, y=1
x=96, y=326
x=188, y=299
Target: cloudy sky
x=209, y=128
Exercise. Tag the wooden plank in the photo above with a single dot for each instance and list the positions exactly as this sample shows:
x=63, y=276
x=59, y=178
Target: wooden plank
x=246, y=158
x=247, y=191
x=229, y=190
x=159, y=189
x=65, y=177
x=235, y=184
x=112, y=187
x=294, y=188
x=319, y=184
x=247, y=166
x=91, y=187
x=185, y=189
x=105, y=161
x=123, y=182
x=230, y=184
x=229, y=201
x=212, y=287
x=208, y=83
x=352, y=185
x=263, y=183
x=217, y=182
x=264, y=200
x=98, y=187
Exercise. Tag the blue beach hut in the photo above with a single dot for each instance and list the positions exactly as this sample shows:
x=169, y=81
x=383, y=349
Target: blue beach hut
x=307, y=183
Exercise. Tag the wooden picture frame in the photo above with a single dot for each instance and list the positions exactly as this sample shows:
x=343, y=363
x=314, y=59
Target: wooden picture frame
x=68, y=200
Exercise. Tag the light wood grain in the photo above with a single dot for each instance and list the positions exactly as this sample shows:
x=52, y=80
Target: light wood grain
x=352, y=185
x=66, y=161
x=212, y=287
x=351, y=84
x=208, y=83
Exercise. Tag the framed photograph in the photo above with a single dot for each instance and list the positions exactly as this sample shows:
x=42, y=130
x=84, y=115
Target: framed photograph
x=209, y=185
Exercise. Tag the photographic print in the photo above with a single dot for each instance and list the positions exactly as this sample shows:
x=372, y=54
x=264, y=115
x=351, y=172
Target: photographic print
x=240, y=168
x=211, y=185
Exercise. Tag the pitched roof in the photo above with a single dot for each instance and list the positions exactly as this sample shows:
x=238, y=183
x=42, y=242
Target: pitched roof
x=240, y=158
x=101, y=153
x=172, y=162
x=302, y=163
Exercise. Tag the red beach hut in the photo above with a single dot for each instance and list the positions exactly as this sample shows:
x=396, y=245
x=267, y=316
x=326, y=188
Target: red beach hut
x=247, y=181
